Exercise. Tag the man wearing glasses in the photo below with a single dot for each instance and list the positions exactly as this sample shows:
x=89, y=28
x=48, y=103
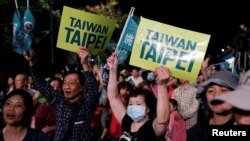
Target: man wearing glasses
x=74, y=105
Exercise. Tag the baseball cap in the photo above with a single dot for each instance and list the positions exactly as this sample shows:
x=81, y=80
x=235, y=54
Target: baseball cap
x=240, y=97
x=223, y=78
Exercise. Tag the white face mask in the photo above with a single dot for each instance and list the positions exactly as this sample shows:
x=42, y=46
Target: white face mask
x=136, y=112
x=151, y=76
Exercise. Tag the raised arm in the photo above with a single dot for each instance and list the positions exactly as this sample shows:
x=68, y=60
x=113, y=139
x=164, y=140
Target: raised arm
x=204, y=66
x=162, y=109
x=51, y=95
x=91, y=88
x=83, y=55
x=98, y=74
x=117, y=107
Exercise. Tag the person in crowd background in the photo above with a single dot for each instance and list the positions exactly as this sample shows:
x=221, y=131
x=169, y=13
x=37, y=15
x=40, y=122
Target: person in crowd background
x=17, y=112
x=149, y=82
x=135, y=78
x=125, y=73
x=96, y=129
x=188, y=105
x=172, y=85
x=10, y=85
x=98, y=77
x=45, y=116
x=176, y=130
x=121, y=78
x=21, y=82
x=30, y=83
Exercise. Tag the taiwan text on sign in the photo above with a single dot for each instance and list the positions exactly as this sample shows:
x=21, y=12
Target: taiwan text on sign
x=181, y=50
x=79, y=28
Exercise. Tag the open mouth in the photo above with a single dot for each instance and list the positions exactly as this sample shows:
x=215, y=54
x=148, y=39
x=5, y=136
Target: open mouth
x=217, y=102
x=10, y=116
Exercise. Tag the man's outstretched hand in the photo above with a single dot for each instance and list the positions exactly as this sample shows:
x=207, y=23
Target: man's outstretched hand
x=30, y=56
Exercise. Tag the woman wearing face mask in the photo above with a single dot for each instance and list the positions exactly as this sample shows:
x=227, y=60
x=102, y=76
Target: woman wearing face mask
x=138, y=120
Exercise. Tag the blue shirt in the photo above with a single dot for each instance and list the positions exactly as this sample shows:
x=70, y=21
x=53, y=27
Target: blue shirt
x=88, y=98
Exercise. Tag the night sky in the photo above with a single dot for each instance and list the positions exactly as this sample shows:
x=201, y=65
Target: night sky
x=221, y=21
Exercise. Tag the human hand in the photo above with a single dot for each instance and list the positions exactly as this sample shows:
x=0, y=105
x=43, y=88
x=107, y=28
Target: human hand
x=83, y=55
x=30, y=56
x=48, y=129
x=45, y=129
x=112, y=62
x=36, y=95
x=162, y=75
x=205, y=63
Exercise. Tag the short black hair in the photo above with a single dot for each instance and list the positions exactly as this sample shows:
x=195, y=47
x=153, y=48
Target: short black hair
x=144, y=75
x=56, y=79
x=173, y=102
x=150, y=100
x=125, y=84
x=80, y=75
x=28, y=102
x=134, y=68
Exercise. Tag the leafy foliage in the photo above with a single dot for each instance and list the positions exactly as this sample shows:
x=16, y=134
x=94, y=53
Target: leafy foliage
x=110, y=9
x=41, y=11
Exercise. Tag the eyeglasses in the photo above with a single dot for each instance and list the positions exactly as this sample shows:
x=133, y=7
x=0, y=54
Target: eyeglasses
x=70, y=84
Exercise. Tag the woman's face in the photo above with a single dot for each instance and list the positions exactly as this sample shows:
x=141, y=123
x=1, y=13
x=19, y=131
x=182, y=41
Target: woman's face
x=172, y=107
x=139, y=101
x=120, y=79
x=11, y=81
x=200, y=79
x=124, y=92
x=30, y=80
x=214, y=91
x=13, y=110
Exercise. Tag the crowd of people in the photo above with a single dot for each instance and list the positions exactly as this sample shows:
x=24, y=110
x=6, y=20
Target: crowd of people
x=135, y=104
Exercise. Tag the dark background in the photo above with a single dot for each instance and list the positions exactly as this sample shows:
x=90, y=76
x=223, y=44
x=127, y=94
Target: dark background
x=218, y=18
